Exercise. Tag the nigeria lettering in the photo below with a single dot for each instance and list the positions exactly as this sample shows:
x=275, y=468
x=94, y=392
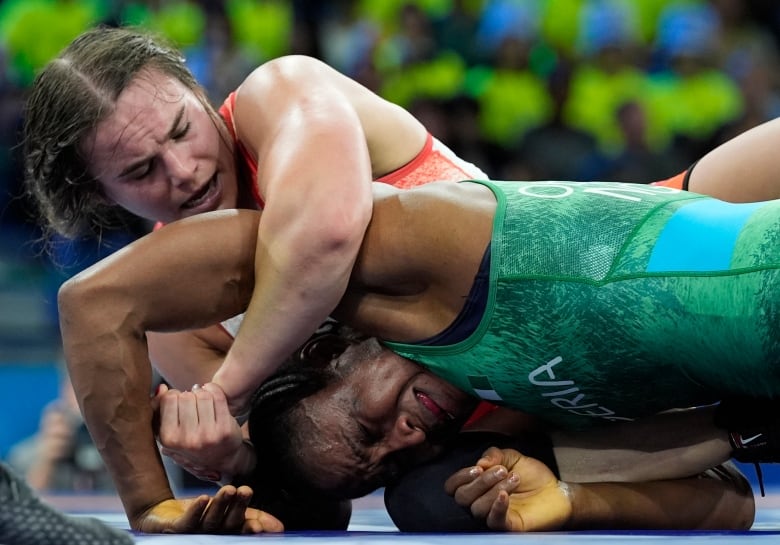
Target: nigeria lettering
x=615, y=190
x=566, y=395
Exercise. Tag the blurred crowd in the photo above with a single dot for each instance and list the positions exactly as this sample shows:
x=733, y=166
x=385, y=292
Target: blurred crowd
x=629, y=90
x=625, y=90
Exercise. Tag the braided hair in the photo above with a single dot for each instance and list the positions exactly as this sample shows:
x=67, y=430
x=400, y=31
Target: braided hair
x=278, y=427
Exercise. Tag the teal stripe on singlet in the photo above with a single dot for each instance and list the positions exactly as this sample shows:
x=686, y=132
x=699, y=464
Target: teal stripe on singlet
x=700, y=236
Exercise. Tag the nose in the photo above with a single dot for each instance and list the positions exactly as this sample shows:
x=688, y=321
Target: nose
x=180, y=165
x=403, y=434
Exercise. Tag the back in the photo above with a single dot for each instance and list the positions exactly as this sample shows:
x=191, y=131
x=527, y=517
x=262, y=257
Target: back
x=419, y=257
x=613, y=301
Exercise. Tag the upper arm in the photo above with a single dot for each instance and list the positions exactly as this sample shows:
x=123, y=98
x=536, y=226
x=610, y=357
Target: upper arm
x=296, y=100
x=191, y=273
x=743, y=169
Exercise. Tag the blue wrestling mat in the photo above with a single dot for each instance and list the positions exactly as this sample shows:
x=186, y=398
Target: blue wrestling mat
x=372, y=526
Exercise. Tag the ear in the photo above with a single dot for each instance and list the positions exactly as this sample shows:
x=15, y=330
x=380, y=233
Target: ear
x=321, y=348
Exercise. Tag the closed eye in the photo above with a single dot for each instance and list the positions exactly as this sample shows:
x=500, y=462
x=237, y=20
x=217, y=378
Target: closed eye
x=141, y=171
x=181, y=133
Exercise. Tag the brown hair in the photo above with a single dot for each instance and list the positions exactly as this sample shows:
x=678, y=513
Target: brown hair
x=70, y=96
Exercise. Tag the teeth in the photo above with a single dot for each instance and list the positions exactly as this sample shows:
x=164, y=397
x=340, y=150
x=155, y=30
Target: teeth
x=198, y=198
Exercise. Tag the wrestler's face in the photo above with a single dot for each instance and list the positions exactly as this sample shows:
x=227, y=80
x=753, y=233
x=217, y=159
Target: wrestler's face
x=384, y=417
x=160, y=154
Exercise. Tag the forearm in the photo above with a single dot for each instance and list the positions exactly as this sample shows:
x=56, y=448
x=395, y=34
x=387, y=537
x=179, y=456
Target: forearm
x=315, y=178
x=288, y=305
x=104, y=314
x=686, y=504
x=114, y=400
x=666, y=446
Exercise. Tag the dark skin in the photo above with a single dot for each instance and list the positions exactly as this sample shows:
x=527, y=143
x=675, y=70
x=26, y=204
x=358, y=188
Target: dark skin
x=384, y=416
x=412, y=273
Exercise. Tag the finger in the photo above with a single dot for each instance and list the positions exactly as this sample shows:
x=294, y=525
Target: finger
x=468, y=494
x=189, y=522
x=188, y=413
x=221, y=408
x=214, y=389
x=205, y=407
x=495, y=456
x=482, y=506
x=161, y=390
x=491, y=457
x=461, y=477
x=213, y=518
x=235, y=514
x=259, y=521
x=497, y=516
x=169, y=416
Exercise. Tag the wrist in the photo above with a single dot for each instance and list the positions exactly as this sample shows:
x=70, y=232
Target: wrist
x=568, y=493
x=242, y=465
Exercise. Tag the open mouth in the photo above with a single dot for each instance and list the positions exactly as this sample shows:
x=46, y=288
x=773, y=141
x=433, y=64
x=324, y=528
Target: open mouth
x=438, y=412
x=206, y=193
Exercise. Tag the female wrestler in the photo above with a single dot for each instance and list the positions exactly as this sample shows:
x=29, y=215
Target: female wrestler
x=117, y=121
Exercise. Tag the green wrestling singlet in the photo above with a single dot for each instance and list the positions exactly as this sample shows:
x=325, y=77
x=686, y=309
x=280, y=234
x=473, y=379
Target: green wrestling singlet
x=612, y=301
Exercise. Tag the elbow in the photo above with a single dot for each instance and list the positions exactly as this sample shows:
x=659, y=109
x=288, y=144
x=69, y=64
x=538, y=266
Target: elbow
x=70, y=297
x=348, y=226
x=82, y=306
x=336, y=233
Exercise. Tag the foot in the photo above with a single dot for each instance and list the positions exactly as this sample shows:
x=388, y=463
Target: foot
x=753, y=427
x=26, y=520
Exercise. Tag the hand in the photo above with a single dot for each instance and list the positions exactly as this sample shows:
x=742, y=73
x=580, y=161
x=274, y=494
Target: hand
x=512, y=492
x=238, y=403
x=57, y=433
x=199, y=434
x=228, y=512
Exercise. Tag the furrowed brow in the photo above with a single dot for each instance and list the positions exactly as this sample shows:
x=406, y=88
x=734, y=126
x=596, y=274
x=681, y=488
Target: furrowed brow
x=172, y=131
x=176, y=121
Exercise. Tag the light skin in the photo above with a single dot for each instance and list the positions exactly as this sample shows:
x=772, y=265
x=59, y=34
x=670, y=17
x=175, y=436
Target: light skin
x=58, y=427
x=318, y=138
x=159, y=154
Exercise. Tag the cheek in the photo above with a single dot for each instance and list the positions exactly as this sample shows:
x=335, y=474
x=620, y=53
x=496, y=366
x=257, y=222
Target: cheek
x=141, y=200
x=208, y=140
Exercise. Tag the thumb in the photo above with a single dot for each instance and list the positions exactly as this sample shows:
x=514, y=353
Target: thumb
x=161, y=390
x=495, y=456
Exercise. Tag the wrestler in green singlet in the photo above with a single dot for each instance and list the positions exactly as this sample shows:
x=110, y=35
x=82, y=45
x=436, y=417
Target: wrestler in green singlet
x=612, y=301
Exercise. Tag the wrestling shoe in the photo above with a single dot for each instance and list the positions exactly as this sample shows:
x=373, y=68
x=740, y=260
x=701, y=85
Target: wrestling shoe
x=27, y=520
x=754, y=430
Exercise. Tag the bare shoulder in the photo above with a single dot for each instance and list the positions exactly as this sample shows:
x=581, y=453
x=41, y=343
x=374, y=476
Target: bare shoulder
x=293, y=76
x=463, y=196
x=435, y=217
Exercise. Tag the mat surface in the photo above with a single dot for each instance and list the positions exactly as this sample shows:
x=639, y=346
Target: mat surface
x=372, y=526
